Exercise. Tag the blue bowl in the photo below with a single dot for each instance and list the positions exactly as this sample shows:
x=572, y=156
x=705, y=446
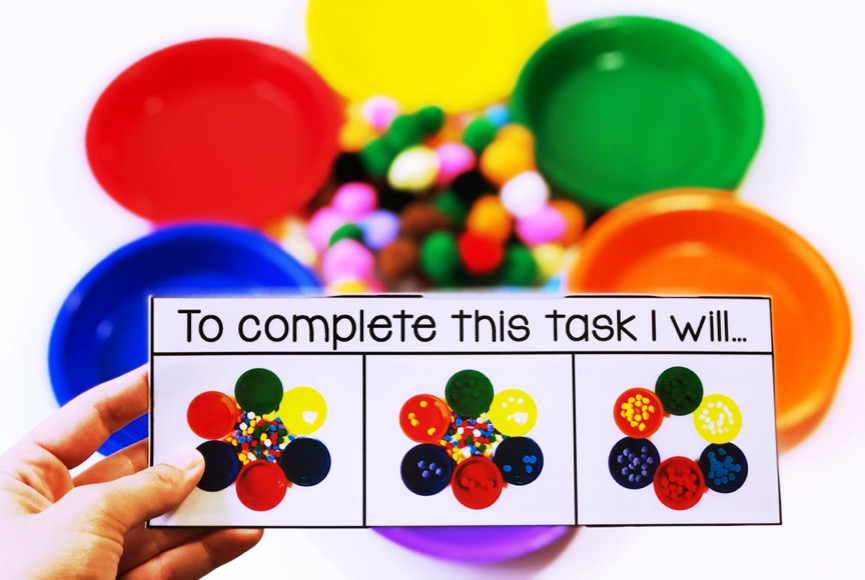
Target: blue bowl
x=101, y=330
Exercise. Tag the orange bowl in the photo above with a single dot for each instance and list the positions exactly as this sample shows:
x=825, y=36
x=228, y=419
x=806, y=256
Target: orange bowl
x=697, y=241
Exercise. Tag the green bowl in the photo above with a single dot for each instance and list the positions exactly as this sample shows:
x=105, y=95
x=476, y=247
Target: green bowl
x=628, y=105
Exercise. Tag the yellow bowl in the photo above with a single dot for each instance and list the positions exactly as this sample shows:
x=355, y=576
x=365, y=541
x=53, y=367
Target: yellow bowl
x=455, y=54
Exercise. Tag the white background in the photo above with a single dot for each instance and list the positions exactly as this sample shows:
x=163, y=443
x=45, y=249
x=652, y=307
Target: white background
x=807, y=58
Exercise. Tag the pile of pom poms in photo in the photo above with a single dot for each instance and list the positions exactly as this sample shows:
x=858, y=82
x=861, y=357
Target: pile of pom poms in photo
x=257, y=439
x=424, y=199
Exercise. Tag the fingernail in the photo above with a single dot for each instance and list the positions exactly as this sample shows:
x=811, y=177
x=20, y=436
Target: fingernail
x=187, y=459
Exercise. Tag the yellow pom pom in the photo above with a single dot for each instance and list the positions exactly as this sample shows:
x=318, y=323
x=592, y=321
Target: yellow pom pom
x=550, y=258
x=517, y=135
x=355, y=134
x=348, y=286
x=503, y=160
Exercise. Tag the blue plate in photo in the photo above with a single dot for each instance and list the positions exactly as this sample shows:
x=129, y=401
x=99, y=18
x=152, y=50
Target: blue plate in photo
x=101, y=330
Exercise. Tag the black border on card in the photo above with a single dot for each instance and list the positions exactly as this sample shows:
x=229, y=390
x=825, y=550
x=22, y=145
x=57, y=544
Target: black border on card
x=572, y=354
x=775, y=399
x=574, y=415
x=150, y=406
x=363, y=438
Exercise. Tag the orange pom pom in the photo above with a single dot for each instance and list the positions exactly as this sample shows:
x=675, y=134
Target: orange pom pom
x=489, y=218
x=575, y=221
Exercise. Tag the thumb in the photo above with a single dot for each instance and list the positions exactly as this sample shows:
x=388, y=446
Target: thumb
x=129, y=501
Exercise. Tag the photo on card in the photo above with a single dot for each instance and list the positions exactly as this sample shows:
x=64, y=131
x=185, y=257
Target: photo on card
x=676, y=439
x=463, y=439
x=281, y=435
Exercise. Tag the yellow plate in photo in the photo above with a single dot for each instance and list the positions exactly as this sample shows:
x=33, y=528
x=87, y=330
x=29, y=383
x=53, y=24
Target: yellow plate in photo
x=455, y=54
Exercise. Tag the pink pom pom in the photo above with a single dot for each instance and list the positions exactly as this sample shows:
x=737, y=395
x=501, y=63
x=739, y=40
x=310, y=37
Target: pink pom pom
x=347, y=258
x=379, y=111
x=545, y=225
x=454, y=158
x=355, y=200
x=322, y=225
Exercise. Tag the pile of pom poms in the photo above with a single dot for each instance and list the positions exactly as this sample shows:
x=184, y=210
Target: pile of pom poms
x=423, y=200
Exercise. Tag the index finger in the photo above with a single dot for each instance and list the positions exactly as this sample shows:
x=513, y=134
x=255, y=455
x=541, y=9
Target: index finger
x=80, y=427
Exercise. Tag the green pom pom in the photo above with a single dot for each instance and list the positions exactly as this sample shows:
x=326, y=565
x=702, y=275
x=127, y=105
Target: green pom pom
x=405, y=131
x=352, y=231
x=376, y=157
x=431, y=119
x=520, y=268
x=453, y=206
x=479, y=133
x=440, y=258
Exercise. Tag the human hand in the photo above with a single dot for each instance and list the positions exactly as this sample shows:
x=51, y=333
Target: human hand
x=92, y=525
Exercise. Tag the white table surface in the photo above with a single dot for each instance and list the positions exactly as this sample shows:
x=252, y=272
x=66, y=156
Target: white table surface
x=808, y=60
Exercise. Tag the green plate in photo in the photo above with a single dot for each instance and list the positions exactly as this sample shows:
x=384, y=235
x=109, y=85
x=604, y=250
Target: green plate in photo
x=627, y=105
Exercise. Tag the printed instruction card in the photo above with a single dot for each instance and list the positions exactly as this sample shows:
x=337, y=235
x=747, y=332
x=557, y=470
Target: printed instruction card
x=468, y=410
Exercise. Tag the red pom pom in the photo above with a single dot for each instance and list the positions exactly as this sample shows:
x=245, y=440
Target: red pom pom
x=480, y=255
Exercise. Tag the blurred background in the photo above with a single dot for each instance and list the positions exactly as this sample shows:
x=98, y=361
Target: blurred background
x=806, y=59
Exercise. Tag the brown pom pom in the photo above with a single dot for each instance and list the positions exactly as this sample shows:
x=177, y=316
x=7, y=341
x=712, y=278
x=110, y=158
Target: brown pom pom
x=422, y=218
x=398, y=259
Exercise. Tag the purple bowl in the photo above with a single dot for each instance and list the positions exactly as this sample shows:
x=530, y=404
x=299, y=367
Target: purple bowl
x=460, y=543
